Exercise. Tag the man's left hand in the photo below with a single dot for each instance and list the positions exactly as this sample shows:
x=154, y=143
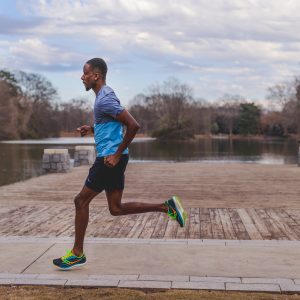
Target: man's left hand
x=112, y=160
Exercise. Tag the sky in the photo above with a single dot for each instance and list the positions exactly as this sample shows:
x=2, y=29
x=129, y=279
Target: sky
x=216, y=47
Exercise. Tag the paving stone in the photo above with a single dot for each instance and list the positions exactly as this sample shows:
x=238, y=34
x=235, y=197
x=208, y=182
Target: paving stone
x=262, y=280
x=288, y=243
x=139, y=241
x=62, y=275
x=92, y=282
x=232, y=242
x=46, y=165
x=194, y=242
x=290, y=287
x=56, y=158
x=35, y=281
x=114, y=277
x=145, y=284
x=207, y=242
x=184, y=241
x=198, y=285
x=46, y=158
x=262, y=243
x=297, y=281
x=55, y=151
x=252, y=287
x=215, y=279
x=6, y=281
x=168, y=242
x=164, y=278
x=9, y=275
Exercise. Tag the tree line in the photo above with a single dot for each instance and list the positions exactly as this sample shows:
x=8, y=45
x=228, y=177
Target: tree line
x=30, y=108
x=170, y=111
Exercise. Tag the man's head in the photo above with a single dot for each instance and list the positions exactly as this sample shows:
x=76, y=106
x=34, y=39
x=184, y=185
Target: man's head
x=94, y=73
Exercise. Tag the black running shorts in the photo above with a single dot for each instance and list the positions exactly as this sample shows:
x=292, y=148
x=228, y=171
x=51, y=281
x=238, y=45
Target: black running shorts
x=102, y=177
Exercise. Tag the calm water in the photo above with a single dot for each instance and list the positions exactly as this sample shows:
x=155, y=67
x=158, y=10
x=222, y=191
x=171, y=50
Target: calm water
x=22, y=160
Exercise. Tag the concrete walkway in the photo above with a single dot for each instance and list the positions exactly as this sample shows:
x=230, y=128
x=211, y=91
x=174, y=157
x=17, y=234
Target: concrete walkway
x=272, y=266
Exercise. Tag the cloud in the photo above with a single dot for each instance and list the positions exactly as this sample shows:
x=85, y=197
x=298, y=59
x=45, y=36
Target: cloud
x=9, y=25
x=215, y=30
x=35, y=54
x=230, y=43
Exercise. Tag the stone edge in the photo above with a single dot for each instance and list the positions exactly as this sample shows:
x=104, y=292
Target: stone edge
x=203, y=242
x=253, y=284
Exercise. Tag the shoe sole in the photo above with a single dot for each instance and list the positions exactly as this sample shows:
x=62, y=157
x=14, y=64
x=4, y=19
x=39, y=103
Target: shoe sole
x=71, y=267
x=180, y=208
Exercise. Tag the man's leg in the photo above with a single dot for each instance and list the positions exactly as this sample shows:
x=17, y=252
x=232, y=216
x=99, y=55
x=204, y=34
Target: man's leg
x=82, y=201
x=117, y=208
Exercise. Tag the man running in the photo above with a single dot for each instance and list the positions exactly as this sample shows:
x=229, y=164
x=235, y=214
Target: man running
x=107, y=172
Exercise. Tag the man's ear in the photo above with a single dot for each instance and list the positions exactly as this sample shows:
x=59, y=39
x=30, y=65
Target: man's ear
x=98, y=76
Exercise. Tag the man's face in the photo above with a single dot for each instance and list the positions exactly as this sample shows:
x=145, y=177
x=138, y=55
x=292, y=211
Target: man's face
x=89, y=77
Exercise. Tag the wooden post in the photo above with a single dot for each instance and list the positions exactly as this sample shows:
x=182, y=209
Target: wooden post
x=84, y=155
x=56, y=160
x=299, y=157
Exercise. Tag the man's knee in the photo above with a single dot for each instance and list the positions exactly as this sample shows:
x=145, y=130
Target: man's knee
x=115, y=210
x=80, y=202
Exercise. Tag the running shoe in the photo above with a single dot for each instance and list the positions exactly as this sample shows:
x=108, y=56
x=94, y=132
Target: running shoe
x=70, y=260
x=176, y=211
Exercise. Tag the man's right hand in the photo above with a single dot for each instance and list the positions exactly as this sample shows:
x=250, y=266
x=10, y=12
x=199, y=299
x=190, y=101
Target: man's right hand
x=84, y=130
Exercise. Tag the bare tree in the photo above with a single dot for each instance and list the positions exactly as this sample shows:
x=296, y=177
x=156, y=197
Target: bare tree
x=229, y=110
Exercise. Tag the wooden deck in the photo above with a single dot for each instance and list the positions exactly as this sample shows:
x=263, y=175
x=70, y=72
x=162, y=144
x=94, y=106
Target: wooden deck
x=203, y=223
x=231, y=201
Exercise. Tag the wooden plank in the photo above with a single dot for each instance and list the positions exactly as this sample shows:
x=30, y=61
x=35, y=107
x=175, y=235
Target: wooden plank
x=275, y=231
x=229, y=232
x=116, y=226
x=105, y=229
x=205, y=224
x=30, y=221
x=149, y=226
x=183, y=232
x=171, y=229
x=281, y=224
x=216, y=224
x=290, y=221
x=294, y=214
x=259, y=223
x=98, y=220
x=47, y=218
x=193, y=225
x=194, y=182
x=160, y=228
x=15, y=219
x=139, y=225
x=127, y=226
x=237, y=224
x=64, y=225
x=252, y=231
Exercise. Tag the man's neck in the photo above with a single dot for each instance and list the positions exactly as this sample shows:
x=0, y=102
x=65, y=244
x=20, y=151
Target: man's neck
x=98, y=87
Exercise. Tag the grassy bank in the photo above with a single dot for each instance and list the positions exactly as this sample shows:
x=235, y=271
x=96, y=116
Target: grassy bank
x=49, y=293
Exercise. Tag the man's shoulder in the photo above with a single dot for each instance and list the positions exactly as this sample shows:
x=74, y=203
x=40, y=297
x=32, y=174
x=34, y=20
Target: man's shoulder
x=105, y=91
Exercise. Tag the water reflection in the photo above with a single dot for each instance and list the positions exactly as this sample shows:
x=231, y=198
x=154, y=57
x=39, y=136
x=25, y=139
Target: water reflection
x=218, y=149
x=22, y=161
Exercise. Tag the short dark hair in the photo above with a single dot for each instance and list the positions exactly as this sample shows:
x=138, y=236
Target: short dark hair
x=100, y=64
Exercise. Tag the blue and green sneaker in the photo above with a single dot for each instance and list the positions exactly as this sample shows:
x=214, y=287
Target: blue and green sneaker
x=70, y=260
x=176, y=210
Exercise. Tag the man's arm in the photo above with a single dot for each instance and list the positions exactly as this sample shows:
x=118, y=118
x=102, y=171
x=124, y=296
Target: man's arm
x=132, y=126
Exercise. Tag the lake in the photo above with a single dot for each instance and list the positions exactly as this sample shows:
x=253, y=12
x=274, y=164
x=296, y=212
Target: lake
x=20, y=160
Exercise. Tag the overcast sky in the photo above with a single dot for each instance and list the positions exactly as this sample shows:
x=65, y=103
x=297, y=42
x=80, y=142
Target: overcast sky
x=216, y=47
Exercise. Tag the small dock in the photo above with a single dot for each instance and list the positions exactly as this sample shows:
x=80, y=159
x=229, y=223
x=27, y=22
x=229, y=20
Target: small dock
x=224, y=201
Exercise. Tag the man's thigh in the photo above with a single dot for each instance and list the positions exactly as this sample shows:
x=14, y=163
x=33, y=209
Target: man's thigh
x=114, y=198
